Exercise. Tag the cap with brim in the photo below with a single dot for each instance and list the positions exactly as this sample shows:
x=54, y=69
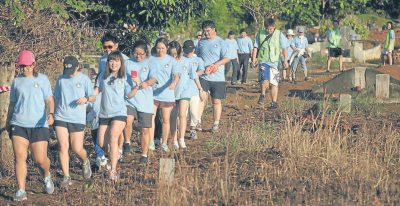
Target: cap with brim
x=26, y=58
x=301, y=29
x=188, y=46
x=199, y=33
x=290, y=32
x=71, y=63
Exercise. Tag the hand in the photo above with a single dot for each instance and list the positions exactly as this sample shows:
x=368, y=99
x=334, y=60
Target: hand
x=144, y=85
x=136, y=80
x=214, y=69
x=50, y=119
x=82, y=100
x=172, y=86
x=202, y=95
x=254, y=62
x=285, y=64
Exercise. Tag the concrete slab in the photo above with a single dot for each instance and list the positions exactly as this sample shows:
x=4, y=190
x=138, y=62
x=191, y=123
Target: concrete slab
x=359, y=77
x=167, y=170
x=345, y=103
x=382, y=86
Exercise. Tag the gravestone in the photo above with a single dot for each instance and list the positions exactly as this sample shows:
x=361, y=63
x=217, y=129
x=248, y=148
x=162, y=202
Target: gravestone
x=382, y=86
x=167, y=170
x=345, y=103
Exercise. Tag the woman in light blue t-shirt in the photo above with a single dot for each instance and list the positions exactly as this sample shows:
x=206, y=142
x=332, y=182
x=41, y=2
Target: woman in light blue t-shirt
x=164, y=97
x=27, y=121
x=72, y=92
x=113, y=112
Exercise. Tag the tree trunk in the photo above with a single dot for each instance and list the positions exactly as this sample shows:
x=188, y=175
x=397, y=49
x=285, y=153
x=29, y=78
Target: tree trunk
x=7, y=72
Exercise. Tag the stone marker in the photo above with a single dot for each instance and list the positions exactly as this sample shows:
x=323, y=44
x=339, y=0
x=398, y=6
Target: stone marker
x=345, y=103
x=167, y=170
x=382, y=86
x=359, y=77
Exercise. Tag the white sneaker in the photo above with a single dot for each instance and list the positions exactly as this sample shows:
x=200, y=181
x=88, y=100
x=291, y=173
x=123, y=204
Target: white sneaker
x=152, y=146
x=101, y=161
x=182, y=143
x=176, y=145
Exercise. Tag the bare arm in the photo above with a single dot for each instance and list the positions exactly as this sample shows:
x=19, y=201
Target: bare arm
x=50, y=105
x=10, y=112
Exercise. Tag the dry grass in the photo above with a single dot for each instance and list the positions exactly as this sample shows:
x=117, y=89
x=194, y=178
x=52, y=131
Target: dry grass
x=282, y=163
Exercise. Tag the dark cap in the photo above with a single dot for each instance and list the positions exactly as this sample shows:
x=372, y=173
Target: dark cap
x=70, y=65
x=231, y=33
x=188, y=46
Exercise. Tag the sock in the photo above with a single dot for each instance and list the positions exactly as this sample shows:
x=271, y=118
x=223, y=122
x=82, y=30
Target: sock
x=216, y=122
x=144, y=155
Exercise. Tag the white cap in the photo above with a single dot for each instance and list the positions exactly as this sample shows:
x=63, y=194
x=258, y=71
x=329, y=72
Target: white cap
x=290, y=32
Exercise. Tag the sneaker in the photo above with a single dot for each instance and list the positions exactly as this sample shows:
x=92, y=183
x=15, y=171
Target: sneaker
x=165, y=148
x=101, y=161
x=261, y=99
x=193, y=134
x=48, y=184
x=87, y=170
x=113, y=175
x=143, y=160
x=273, y=105
x=215, y=128
x=198, y=127
x=152, y=146
x=182, y=143
x=66, y=182
x=127, y=148
x=176, y=145
x=20, y=195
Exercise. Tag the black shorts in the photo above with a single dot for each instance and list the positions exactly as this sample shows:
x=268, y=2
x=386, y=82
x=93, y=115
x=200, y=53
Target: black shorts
x=71, y=127
x=335, y=52
x=107, y=121
x=144, y=119
x=217, y=89
x=31, y=134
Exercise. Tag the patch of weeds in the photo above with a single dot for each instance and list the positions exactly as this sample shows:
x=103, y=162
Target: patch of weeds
x=366, y=105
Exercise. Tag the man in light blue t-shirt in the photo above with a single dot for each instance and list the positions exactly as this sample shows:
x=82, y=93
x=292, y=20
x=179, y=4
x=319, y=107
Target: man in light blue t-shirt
x=110, y=44
x=300, y=53
x=233, y=56
x=245, y=49
x=214, y=52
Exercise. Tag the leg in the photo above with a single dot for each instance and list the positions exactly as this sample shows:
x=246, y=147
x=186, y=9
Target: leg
x=217, y=109
x=295, y=63
x=145, y=140
x=77, y=139
x=174, y=122
x=116, y=129
x=245, y=67
x=202, y=105
x=341, y=62
x=390, y=58
x=304, y=66
x=63, y=145
x=128, y=128
x=235, y=69
x=329, y=63
x=194, y=111
x=264, y=86
x=102, y=132
x=183, y=107
x=153, y=123
x=20, y=146
x=227, y=68
x=241, y=64
x=274, y=93
x=39, y=150
x=166, y=115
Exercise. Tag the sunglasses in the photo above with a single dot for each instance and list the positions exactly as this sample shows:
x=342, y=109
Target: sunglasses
x=139, y=54
x=111, y=81
x=107, y=47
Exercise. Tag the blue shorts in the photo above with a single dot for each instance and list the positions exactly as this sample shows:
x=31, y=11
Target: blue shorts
x=269, y=73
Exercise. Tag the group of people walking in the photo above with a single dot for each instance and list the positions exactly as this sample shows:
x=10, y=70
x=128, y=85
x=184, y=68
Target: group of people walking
x=170, y=79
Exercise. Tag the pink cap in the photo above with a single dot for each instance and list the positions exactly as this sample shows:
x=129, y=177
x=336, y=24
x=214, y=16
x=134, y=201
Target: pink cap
x=26, y=57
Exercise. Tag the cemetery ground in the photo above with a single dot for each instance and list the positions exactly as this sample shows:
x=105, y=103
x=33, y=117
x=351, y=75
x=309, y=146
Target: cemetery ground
x=305, y=152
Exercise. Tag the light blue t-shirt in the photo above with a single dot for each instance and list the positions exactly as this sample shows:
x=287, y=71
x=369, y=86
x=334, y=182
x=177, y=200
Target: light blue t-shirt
x=232, y=48
x=166, y=67
x=67, y=91
x=113, y=98
x=103, y=62
x=143, y=100
x=290, y=50
x=283, y=43
x=301, y=43
x=30, y=95
x=211, y=51
x=187, y=87
x=93, y=115
x=245, y=45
